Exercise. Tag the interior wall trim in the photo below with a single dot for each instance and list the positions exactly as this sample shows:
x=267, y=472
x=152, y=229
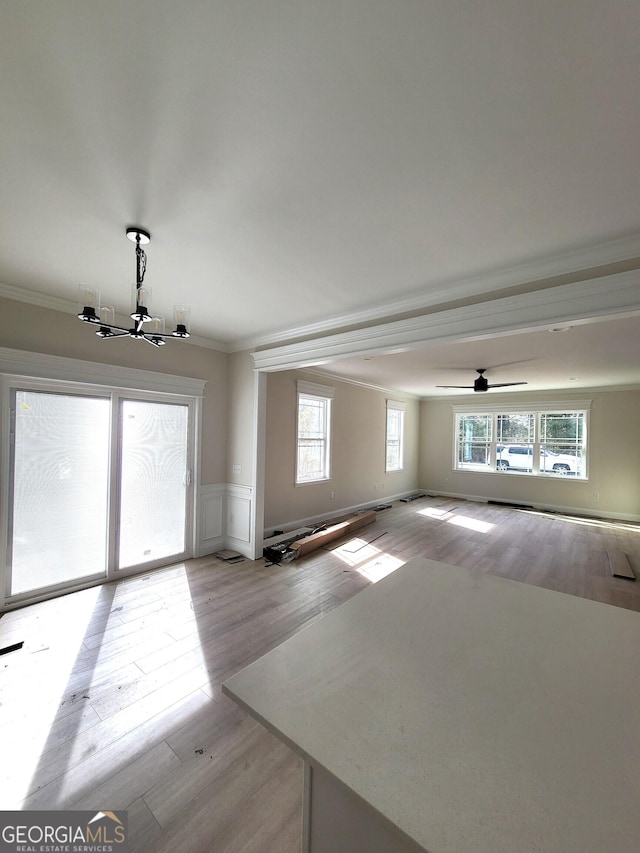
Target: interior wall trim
x=311, y=520
x=611, y=296
x=583, y=512
x=575, y=261
x=43, y=366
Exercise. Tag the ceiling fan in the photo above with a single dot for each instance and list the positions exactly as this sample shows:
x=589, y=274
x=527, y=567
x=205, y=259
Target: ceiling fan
x=481, y=383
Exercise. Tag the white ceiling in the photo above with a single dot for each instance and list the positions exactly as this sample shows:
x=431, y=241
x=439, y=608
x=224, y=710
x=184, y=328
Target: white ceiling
x=603, y=354
x=303, y=164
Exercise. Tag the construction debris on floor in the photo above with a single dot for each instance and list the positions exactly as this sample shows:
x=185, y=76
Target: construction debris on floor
x=229, y=556
x=296, y=543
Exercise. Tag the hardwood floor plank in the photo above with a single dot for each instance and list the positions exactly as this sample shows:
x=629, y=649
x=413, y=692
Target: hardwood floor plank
x=132, y=781
x=95, y=754
x=213, y=814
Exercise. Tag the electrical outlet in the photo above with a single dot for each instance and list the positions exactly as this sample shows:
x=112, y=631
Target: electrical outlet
x=596, y=495
x=237, y=469
x=332, y=495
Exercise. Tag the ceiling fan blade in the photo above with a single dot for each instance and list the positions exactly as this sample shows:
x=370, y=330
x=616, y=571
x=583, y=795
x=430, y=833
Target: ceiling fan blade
x=454, y=386
x=505, y=384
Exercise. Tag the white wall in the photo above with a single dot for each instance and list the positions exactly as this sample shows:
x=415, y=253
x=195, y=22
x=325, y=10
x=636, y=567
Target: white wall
x=358, y=451
x=614, y=458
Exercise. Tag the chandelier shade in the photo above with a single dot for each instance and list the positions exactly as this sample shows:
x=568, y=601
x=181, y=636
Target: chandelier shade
x=146, y=326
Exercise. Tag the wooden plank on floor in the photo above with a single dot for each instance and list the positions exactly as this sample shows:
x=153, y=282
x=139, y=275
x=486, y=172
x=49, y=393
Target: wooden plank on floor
x=619, y=565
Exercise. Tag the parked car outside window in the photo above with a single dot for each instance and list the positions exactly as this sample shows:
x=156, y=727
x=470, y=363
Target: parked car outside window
x=517, y=457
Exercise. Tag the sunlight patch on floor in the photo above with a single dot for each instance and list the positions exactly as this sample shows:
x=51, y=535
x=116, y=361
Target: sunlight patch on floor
x=30, y=696
x=59, y=688
x=459, y=520
x=356, y=551
x=380, y=567
x=470, y=523
x=434, y=512
x=369, y=561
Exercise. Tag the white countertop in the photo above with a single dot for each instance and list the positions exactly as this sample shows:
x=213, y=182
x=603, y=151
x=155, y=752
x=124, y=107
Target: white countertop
x=479, y=715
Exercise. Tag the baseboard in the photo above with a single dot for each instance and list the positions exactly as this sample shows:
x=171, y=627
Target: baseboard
x=541, y=507
x=313, y=520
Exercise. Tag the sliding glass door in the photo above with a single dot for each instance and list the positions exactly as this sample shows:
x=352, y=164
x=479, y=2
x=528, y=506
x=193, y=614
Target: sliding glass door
x=154, y=475
x=98, y=485
x=60, y=489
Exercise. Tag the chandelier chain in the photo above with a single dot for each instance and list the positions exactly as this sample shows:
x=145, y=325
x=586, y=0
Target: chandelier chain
x=141, y=266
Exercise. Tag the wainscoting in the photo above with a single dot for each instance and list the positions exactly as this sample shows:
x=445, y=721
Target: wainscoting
x=225, y=519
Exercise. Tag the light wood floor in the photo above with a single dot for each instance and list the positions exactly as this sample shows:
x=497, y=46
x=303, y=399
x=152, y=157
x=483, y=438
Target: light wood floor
x=114, y=702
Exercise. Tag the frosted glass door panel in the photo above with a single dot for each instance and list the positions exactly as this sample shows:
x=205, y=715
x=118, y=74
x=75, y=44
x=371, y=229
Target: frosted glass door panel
x=60, y=489
x=153, y=481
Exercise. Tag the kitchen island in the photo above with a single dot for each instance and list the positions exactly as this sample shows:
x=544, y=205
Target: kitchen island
x=451, y=711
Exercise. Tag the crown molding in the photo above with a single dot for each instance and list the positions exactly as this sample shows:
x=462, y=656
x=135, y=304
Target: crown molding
x=370, y=386
x=65, y=306
x=537, y=270
x=445, y=291
x=609, y=296
x=532, y=403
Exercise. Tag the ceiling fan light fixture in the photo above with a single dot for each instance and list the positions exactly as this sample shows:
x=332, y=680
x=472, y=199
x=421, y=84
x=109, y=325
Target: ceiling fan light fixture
x=481, y=383
x=104, y=316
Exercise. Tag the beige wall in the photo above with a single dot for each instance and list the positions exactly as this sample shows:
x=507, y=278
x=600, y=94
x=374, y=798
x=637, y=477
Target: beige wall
x=241, y=418
x=358, y=475
x=27, y=327
x=614, y=458
x=358, y=451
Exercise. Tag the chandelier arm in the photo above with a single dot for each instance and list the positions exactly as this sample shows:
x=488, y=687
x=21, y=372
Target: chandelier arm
x=113, y=335
x=110, y=326
x=149, y=339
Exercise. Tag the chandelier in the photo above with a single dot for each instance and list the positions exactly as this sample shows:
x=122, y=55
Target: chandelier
x=103, y=316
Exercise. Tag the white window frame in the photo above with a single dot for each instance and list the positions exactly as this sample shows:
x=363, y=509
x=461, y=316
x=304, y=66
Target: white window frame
x=324, y=395
x=538, y=410
x=395, y=411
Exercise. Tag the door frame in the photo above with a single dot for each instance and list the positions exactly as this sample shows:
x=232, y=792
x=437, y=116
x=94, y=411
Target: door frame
x=37, y=371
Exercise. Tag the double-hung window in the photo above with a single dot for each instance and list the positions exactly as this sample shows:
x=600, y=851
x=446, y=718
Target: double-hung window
x=395, y=435
x=313, y=460
x=549, y=440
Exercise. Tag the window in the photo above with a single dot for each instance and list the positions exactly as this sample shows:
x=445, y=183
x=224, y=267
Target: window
x=314, y=433
x=395, y=435
x=547, y=441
